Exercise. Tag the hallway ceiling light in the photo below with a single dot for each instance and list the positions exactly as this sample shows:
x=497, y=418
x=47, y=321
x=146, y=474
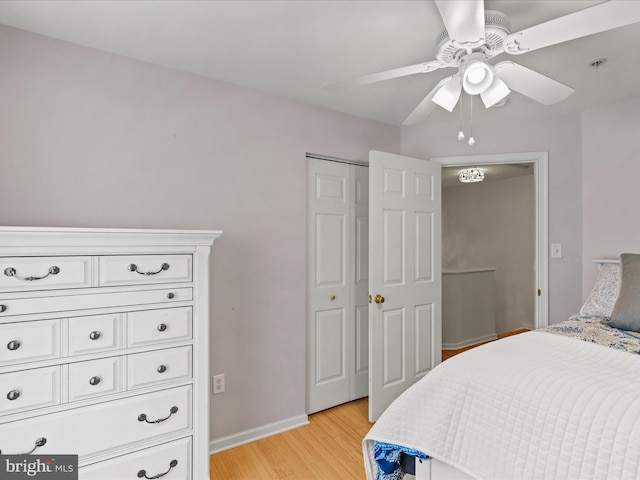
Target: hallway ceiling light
x=471, y=175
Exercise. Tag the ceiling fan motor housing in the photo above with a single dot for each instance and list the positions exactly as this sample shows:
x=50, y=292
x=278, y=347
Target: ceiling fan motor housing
x=497, y=28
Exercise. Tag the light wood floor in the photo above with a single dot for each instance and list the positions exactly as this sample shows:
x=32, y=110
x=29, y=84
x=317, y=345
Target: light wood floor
x=329, y=448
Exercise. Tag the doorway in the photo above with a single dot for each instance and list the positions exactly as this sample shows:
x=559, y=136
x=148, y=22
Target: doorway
x=488, y=253
x=539, y=163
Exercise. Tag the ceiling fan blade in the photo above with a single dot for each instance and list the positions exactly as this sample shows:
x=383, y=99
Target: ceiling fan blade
x=599, y=18
x=425, y=67
x=531, y=83
x=424, y=109
x=464, y=20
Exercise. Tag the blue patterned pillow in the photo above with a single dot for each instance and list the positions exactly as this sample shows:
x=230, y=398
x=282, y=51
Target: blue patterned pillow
x=605, y=292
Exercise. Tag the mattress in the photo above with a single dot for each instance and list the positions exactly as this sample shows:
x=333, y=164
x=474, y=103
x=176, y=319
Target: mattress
x=536, y=405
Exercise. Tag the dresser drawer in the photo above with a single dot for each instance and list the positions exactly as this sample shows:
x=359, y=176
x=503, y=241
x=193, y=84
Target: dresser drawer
x=25, y=306
x=44, y=273
x=170, y=461
x=29, y=341
x=94, y=333
x=29, y=389
x=97, y=429
x=145, y=269
x=95, y=378
x=157, y=326
x=144, y=369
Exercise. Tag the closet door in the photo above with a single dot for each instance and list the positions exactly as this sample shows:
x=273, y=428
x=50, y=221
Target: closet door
x=328, y=289
x=360, y=282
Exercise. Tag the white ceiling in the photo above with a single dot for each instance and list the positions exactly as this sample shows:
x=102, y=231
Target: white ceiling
x=292, y=48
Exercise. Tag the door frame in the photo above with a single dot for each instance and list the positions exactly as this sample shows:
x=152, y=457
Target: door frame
x=540, y=161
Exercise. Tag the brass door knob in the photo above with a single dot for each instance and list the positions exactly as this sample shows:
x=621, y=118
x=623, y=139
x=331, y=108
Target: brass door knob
x=333, y=297
x=379, y=299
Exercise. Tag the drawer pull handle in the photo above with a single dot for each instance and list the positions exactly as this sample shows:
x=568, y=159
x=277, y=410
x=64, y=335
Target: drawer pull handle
x=143, y=416
x=13, y=345
x=13, y=394
x=3, y=308
x=143, y=473
x=162, y=327
x=171, y=295
x=11, y=272
x=94, y=380
x=39, y=443
x=134, y=268
x=162, y=368
x=95, y=335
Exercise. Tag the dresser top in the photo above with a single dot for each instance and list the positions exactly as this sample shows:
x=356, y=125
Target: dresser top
x=68, y=236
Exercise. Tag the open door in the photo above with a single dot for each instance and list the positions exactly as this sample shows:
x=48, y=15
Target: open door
x=405, y=283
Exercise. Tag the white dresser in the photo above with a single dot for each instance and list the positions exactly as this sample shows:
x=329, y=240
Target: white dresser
x=104, y=349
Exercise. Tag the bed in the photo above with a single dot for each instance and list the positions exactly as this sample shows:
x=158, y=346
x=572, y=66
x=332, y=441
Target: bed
x=561, y=402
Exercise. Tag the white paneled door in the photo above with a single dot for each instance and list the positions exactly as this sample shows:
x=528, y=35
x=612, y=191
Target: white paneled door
x=337, y=309
x=360, y=282
x=404, y=275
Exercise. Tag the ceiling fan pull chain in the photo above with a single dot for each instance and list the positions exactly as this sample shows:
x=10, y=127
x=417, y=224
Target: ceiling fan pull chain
x=461, y=133
x=472, y=142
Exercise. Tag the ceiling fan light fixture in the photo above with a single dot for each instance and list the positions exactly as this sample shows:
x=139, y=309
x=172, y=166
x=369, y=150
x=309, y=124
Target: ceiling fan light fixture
x=448, y=95
x=477, y=76
x=496, y=92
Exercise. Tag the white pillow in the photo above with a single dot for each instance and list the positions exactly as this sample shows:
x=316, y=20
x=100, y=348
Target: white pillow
x=605, y=292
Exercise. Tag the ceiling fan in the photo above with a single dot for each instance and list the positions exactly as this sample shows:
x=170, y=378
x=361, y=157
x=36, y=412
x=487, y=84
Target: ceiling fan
x=473, y=36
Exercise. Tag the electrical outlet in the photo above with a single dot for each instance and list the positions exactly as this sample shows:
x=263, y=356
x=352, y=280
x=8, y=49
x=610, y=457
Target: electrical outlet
x=218, y=384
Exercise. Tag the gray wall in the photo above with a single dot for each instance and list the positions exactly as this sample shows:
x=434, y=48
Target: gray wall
x=492, y=224
x=92, y=139
x=610, y=195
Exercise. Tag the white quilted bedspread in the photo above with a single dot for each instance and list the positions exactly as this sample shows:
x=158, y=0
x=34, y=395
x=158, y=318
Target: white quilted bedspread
x=531, y=406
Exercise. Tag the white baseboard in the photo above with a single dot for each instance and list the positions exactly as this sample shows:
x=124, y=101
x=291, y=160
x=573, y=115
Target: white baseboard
x=469, y=342
x=253, y=434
